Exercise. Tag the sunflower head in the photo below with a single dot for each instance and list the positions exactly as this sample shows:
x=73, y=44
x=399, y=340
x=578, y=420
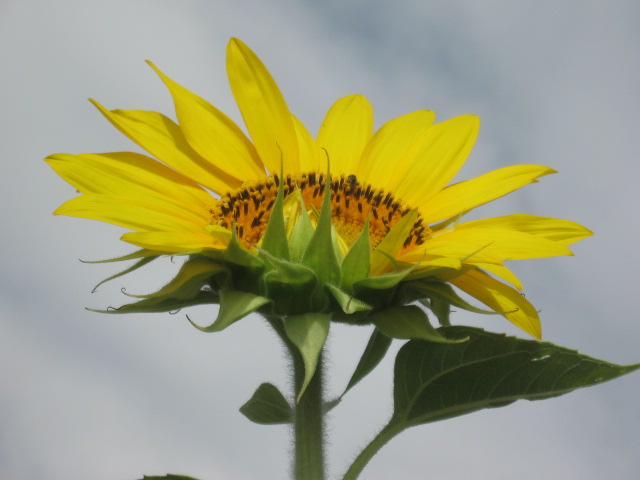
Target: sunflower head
x=354, y=224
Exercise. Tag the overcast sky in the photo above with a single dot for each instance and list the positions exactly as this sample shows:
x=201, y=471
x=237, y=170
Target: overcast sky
x=87, y=396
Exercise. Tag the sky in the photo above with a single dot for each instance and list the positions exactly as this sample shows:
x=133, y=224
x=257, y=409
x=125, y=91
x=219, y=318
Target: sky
x=89, y=396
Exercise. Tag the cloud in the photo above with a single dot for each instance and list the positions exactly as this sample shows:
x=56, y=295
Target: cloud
x=90, y=396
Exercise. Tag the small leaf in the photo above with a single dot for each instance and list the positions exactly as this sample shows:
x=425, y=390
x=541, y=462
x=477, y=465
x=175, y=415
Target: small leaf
x=408, y=322
x=373, y=354
x=308, y=332
x=434, y=382
x=234, y=305
x=267, y=406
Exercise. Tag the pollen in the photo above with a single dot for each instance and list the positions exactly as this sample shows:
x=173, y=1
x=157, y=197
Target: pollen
x=249, y=208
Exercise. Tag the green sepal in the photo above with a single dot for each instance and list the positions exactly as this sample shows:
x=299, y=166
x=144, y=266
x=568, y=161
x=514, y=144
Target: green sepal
x=302, y=231
x=140, y=263
x=308, y=333
x=347, y=302
x=290, y=286
x=386, y=250
x=320, y=254
x=168, y=476
x=436, y=382
x=380, y=291
x=442, y=310
x=143, y=252
x=245, y=266
x=274, y=240
x=373, y=354
x=443, y=292
x=234, y=305
x=357, y=262
x=237, y=255
x=267, y=406
x=408, y=322
x=195, y=273
x=156, y=304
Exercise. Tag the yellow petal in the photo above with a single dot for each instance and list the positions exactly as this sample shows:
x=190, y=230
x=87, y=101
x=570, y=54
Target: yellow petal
x=345, y=131
x=385, y=152
x=308, y=148
x=460, y=248
x=501, y=298
x=182, y=241
x=500, y=271
x=133, y=213
x=212, y=134
x=501, y=243
x=461, y=197
x=127, y=174
x=163, y=139
x=565, y=232
x=263, y=108
x=435, y=159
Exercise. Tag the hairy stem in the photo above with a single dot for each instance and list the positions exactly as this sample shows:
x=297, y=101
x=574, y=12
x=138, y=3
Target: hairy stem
x=309, y=424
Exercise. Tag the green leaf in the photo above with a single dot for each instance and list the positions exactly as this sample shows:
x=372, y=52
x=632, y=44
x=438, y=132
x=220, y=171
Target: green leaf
x=373, y=354
x=357, y=262
x=234, y=305
x=169, y=476
x=408, y=322
x=267, y=406
x=308, y=332
x=434, y=381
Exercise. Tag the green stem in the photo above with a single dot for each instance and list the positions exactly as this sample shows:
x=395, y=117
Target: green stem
x=309, y=424
x=380, y=440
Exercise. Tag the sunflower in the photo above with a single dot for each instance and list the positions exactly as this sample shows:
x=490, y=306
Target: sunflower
x=354, y=222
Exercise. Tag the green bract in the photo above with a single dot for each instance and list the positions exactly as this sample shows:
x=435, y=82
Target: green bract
x=301, y=279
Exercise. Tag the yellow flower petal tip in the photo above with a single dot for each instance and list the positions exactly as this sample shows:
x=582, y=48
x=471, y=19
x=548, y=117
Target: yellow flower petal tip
x=390, y=212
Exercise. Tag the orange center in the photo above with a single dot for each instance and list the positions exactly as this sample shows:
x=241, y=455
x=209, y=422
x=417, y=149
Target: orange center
x=352, y=203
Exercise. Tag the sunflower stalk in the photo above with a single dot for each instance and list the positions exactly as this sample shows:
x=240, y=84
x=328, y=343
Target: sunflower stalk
x=309, y=438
